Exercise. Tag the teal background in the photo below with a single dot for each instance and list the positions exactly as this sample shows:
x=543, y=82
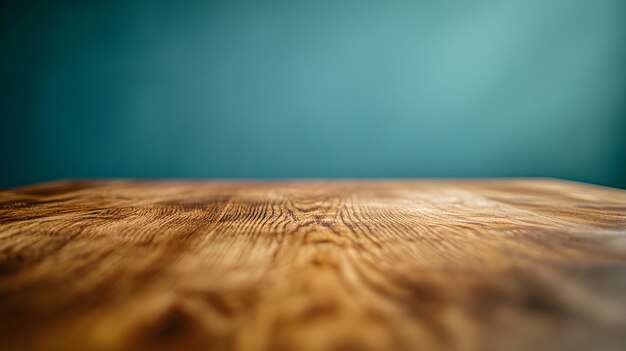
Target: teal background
x=281, y=89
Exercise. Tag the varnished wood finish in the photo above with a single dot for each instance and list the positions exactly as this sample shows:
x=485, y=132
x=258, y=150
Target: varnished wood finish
x=343, y=265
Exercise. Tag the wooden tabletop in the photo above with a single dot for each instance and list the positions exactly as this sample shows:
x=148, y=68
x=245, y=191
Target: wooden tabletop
x=532, y=264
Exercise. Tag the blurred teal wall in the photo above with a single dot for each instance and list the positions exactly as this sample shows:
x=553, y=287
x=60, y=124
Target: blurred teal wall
x=313, y=89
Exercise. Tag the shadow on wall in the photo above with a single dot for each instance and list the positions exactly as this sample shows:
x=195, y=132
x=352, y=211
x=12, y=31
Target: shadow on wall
x=313, y=89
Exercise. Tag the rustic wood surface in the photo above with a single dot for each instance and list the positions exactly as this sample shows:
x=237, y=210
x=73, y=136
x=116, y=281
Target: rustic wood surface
x=313, y=265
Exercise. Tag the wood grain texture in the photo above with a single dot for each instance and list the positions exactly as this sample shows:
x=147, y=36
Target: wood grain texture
x=313, y=265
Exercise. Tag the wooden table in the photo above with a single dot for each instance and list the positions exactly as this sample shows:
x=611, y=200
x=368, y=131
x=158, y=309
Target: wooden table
x=532, y=264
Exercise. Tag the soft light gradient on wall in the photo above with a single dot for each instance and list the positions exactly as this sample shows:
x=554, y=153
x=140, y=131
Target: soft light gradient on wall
x=276, y=89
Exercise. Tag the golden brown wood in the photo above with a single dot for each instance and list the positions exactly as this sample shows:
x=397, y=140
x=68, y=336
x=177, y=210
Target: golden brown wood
x=313, y=265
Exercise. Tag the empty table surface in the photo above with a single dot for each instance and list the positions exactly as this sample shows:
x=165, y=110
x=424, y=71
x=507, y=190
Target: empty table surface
x=313, y=265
